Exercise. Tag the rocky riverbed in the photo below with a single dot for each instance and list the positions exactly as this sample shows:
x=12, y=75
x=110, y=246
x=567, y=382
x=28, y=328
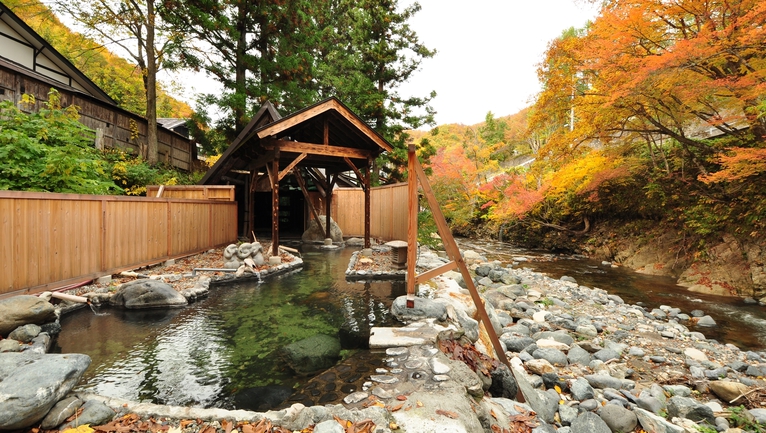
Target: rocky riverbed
x=582, y=359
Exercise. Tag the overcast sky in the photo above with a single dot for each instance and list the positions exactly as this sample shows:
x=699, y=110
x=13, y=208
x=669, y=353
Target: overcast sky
x=488, y=51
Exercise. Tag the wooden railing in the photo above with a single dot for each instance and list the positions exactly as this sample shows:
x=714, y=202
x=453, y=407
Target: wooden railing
x=51, y=240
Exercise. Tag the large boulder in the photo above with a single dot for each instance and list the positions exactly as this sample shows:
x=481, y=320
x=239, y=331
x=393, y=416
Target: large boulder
x=262, y=398
x=313, y=354
x=316, y=232
x=30, y=384
x=21, y=310
x=424, y=308
x=140, y=294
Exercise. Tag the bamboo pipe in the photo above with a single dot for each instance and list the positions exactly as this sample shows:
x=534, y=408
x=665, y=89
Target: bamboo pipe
x=67, y=297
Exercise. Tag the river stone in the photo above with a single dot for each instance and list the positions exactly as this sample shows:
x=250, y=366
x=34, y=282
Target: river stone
x=602, y=381
x=94, y=412
x=727, y=390
x=329, y=426
x=145, y=293
x=685, y=407
x=316, y=232
x=312, y=354
x=424, y=309
x=514, y=343
x=21, y=310
x=25, y=333
x=587, y=330
x=655, y=424
x=706, y=321
x=539, y=366
x=606, y=354
x=650, y=403
x=578, y=355
x=589, y=422
x=545, y=343
x=618, y=418
x=554, y=356
x=503, y=383
x=30, y=384
x=60, y=412
x=567, y=413
x=426, y=419
x=759, y=415
x=581, y=389
x=9, y=345
x=469, y=324
x=560, y=336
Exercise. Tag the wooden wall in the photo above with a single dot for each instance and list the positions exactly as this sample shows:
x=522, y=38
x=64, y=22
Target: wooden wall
x=116, y=125
x=198, y=192
x=51, y=240
x=388, y=211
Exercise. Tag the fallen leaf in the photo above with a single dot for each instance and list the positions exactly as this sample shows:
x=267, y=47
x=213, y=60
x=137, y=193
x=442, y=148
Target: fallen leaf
x=85, y=428
x=447, y=413
x=227, y=425
x=419, y=404
x=401, y=397
x=393, y=426
x=397, y=407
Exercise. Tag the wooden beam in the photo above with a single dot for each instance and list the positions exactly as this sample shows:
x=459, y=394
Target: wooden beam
x=302, y=184
x=453, y=252
x=291, y=165
x=330, y=104
x=362, y=180
x=425, y=276
x=328, y=205
x=412, y=226
x=261, y=161
x=275, y=204
x=319, y=180
x=326, y=132
x=316, y=149
x=367, y=203
x=271, y=177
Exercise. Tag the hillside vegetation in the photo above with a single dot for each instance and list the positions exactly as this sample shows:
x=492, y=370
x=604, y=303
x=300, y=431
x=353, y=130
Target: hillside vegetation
x=652, y=120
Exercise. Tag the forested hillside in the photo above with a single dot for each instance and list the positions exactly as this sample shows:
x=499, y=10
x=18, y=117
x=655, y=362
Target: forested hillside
x=651, y=124
x=120, y=79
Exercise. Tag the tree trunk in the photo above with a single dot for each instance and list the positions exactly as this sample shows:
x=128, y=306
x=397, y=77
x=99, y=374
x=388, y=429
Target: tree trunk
x=151, y=88
x=240, y=66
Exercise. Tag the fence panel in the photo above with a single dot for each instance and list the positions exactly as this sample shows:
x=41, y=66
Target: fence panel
x=388, y=211
x=51, y=240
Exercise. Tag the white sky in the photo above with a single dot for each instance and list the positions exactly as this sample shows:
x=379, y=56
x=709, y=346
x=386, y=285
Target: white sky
x=486, y=60
x=487, y=53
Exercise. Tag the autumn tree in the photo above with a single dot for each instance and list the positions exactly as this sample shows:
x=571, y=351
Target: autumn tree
x=133, y=27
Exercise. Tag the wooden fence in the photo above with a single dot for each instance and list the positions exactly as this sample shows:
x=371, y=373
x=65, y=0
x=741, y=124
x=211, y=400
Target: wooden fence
x=51, y=240
x=388, y=211
x=198, y=192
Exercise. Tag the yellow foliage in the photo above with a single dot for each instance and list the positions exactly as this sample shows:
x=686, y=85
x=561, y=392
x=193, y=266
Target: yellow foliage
x=85, y=428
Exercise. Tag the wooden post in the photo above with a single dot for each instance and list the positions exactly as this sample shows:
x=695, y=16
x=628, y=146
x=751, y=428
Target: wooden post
x=275, y=203
x=367, y=203
x=412, y=224
x=328, y=207
x=250, y=191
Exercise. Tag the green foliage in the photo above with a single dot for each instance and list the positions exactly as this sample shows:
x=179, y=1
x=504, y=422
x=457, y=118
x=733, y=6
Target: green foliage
x=50, y=150
x=427, y=229
x=740, y=419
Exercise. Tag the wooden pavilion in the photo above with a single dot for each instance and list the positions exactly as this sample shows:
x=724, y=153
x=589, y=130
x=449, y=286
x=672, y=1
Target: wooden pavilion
x=315, y=145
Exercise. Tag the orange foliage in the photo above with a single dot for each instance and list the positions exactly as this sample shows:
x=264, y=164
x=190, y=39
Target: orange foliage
x=739, y=164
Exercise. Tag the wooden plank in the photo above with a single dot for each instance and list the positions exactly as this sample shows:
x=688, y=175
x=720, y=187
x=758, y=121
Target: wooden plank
x=425, y=276
x=452, y=251
x=6, y=246
x=367, y=200
x=412, y=227
x=291, y=165
x=316, y=149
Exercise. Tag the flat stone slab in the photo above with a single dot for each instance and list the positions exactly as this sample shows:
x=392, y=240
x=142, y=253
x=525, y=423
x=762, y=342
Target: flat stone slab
x=414, y=334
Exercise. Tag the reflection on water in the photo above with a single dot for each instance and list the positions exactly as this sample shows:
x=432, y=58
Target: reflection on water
x=738, y=323
x=202, y=354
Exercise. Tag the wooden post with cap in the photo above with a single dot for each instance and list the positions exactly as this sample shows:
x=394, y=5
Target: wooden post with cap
x=412, y=224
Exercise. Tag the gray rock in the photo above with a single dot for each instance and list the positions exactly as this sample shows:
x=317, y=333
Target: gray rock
x=754, y=371
x=545, y=428
x=589, y=405
x=738, y=366
x=697, y=313
x=537, y=400
x=145, y=293
x=509, y=279
x=655, y=424
x=503, y=383
x=486, y=281
x=568, y=279
x=554, y=356
x=329, y=426
x=636, y=351
x=515, y=343
x=602, y=381
x=567, y=414
x=589, y=422
x=261, y=398
x=519, y=329
x=578, y=355
x=9, y=345
x=94, y=412
x=21, y=310
x=587, y=330
x=30, y=384
x=606, y=354
x=651, y=404
x=560, y=336
x=469, y=324
x=679, y=390
x=685, y=407
x=424, y=309
x=60, y=412
x=582, y=390
x=496, y=275
x=316, y=232
x=759, y=415
x=312, y=354
x=25, y=333
x=618, y=418
x=706, y=321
